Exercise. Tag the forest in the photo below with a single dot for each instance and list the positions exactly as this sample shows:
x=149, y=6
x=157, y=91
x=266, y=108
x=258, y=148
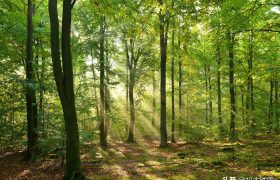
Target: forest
x=139, y=89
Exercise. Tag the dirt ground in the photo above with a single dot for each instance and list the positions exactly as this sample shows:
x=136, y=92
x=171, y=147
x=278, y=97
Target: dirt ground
x=145, y=160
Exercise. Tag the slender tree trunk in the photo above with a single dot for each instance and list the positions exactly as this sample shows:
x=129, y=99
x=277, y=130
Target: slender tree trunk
x=31, y=103
x=173, y=88
x=251, y=117
x=41, y=94
x=40, y=79
x=163, y=27
x=41, y=112
x=126, y=101
x=132, y=110
x=242, y=104
x=206, y=90
x=248, y=103
x=220, y=120
x=231, y=85
x=12, y=116
x=63, y=73
x=107, y=92
x=277, y=111
x=107, y=105
x=270, y=111
x=180, y=88
x=210, y=96
x=132, y=64
x=94, y=86
x=69, y=109
x=102, y=127
x=154, y=99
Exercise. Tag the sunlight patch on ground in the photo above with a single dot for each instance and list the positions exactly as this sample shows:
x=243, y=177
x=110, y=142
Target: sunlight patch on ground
x=120, y=170
x=24, y=173
x=152, y=177
x=85, y=156
x=46, y=164
x=117, y=153
x=270, y=173
x=155, y=165
x=179, y=177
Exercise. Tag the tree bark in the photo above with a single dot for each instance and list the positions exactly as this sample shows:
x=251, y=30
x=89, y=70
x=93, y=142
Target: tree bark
x=180, y=88
x=107, y=91
x=94, y=86
x=277, y=111
x=206, y=90
x=132, y=109
x=220, y=119
x=250, y=97
x=242, y=104
x=102, y=126
x=31, y=104
x=173, y=87
x=154, y=99
x=163, y=28
x=231, y=85
x=270, y=110
x=40, y=78
x=132, y=64
x=210, y=96
x=64, y=82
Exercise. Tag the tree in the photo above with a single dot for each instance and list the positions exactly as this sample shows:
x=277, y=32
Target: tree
x=163, y=33
x=132, y=61
x=180, y=87
x=172, y=81
x=63, y=74
x=230, y=38
x=249, y=96
x=102, y=128
x=220, y=119
x=31, y=104
x=154, y=99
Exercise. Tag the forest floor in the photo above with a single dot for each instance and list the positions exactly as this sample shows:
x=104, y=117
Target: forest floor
x=145, y=160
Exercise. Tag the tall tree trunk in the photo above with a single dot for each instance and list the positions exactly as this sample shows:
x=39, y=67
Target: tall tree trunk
x=270, y=110
x=102, y=127
x=247, y=121
x=94, y=86
x=173, y=87
x=220, y=119
x=154, y=99
x=231, y=85
x=40, y=79
x=163, y=28
x=132, y=63
x=277, y=111
x=206, y=90
x=126, y=86
x=180, y=88
x=31, y=103
x=107, y=91
x=242, y=105
x=131, y=105
x=250, y=86
x=63, y=73
x=126, y=101
x=41, y=100
x=210, y=96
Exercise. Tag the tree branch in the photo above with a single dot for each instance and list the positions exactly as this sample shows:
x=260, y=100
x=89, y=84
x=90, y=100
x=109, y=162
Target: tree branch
x=73, y=3
x=258, y=30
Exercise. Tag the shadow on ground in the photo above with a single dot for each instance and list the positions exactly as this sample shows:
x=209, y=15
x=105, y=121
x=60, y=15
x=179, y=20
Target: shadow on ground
x=144, y=160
